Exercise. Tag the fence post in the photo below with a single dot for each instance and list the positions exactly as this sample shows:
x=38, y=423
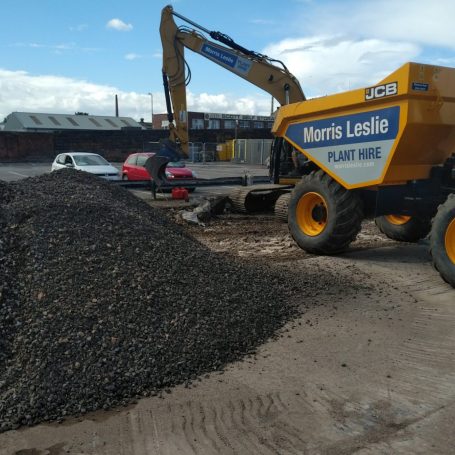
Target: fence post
x=191, y=151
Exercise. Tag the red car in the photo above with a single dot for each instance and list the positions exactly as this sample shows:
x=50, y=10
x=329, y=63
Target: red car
x=133, y=169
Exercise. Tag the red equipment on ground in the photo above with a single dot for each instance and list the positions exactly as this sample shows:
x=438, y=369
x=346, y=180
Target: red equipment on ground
x=180, y=193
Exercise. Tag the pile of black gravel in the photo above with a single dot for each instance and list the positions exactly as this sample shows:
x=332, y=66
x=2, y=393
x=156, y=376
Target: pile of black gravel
x=102, y=300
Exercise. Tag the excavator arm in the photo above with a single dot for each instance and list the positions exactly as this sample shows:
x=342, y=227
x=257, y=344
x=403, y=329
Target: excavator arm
x=268, y=74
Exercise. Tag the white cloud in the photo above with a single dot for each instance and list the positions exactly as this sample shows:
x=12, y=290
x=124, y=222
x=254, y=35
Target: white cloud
x=61, y=46
x=57, y=48
x=329, y=64
x=354, y=43
x=78, y=28
x=118, y=24
x=262, y=21
x=132, y=56
x=226, y=103
x=450, y=61
x=412, y=21
x=21, y=91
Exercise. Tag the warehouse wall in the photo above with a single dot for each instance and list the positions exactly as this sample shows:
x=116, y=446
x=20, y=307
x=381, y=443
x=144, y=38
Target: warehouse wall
x=114, y=145
x=26, y=146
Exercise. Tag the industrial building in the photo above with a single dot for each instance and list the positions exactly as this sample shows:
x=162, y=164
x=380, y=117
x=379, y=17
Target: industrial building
x=40, y=122
x=44, y=122
x=29, y=135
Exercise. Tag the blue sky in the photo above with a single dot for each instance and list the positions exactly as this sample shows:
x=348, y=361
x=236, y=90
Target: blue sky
x=61, y=56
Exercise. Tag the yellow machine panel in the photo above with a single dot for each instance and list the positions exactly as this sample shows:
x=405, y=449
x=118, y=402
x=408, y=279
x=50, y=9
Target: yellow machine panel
x=389, y=133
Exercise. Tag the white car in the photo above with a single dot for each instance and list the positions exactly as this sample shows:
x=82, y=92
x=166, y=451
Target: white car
x=88, y=162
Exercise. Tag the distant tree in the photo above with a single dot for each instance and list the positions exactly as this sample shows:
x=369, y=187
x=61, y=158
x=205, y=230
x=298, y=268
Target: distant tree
x=81, y=113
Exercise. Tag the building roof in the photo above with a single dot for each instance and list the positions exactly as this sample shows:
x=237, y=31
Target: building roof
x=30, y=121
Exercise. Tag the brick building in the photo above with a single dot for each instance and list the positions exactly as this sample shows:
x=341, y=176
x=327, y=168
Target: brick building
x=214, y=121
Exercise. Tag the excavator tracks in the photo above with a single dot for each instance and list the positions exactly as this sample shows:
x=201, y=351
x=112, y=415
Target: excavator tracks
x=281, y=207
x=257, y=198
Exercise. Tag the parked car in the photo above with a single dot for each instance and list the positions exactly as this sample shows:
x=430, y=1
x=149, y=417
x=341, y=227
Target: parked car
x=88, y=162
x=133, y=169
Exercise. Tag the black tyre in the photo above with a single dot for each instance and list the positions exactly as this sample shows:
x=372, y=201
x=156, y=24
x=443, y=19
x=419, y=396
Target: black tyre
x=323, y=217
x=442, y=240
x=404, y=228
x=282, y=206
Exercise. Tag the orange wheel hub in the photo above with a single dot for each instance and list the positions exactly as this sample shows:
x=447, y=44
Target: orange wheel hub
x=397, y=220
x=312, y=214
x=450, y=240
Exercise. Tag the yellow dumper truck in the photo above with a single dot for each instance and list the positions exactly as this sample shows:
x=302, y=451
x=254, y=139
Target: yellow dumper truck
x=385, y=151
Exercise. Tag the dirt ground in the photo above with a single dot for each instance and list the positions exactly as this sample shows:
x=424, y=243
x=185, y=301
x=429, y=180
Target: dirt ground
x=368, y=369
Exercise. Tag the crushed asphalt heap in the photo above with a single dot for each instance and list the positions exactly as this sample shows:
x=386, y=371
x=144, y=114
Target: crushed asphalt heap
x=104, y=300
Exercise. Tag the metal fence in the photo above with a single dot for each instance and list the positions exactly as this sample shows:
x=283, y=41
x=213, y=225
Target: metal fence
x=248, y=151
x=252, y=151
x=202, y=152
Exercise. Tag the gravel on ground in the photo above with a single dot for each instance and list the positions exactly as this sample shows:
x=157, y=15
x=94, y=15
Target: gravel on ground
x=103, y=300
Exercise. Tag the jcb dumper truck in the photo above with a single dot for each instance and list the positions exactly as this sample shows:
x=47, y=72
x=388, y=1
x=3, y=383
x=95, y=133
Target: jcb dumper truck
x=385, y=151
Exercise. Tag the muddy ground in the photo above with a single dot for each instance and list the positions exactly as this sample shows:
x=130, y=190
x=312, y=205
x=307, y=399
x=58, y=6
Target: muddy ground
x=263, y=237
x=369, y=369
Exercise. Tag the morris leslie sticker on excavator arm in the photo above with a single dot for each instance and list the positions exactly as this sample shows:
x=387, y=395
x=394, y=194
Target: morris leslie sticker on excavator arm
x=354, y=148
x=223, y=57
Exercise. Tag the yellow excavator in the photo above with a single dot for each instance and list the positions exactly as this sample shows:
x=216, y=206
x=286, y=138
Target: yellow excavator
x=383, y=152
x=266, y=73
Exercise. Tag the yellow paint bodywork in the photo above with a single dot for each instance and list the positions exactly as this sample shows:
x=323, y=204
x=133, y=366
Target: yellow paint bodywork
x=426, y=135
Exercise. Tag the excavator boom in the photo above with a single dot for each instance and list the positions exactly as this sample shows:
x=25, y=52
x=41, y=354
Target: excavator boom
x=268, y=74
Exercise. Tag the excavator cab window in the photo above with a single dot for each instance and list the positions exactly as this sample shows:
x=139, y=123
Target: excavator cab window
x=287, y=165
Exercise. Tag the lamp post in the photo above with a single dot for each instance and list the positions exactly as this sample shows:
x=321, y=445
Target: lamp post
x=151, y=99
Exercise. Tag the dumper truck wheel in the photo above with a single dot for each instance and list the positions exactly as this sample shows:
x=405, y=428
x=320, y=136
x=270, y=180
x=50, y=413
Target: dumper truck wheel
x=323, y=217
x=442, y=240
x=403, y=228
